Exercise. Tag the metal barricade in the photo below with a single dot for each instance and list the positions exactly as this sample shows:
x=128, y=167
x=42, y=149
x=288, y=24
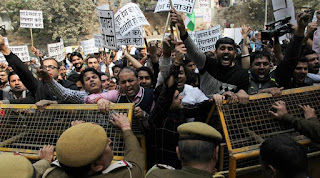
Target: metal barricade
x=25, y=129
x=245, y=127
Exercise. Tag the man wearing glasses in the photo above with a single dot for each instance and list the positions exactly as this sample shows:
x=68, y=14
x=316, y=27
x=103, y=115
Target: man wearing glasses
x=39, y=90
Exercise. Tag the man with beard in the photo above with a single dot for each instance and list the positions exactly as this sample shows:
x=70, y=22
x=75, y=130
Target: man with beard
x=313, y=65
x=77, y=62
x=4, y=85
x=260, y=80
x=292, y=70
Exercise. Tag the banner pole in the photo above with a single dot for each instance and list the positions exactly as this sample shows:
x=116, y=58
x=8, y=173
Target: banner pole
x=31, y=36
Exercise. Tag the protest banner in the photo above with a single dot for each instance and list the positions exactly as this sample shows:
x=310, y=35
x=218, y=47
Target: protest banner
x=129, y=17
x=21, y=51
x=68, y=49
x=206, y=39
x=107, y=28
x=284, y=8
x=6, y=42
x=204, y=4
x=98, y=40
x=56, y=50
x=185, y=6
x=134, y=37
x=234, y=33
x=31, y=19
x=88, y=47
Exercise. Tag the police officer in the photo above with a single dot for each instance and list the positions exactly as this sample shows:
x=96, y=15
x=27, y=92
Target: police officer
x=197, y=150
x=84, y=150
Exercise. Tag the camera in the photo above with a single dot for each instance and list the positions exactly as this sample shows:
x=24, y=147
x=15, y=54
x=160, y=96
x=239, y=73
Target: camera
x=277, y=28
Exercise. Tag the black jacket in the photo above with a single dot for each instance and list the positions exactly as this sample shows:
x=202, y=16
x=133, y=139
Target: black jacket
x=39, y=90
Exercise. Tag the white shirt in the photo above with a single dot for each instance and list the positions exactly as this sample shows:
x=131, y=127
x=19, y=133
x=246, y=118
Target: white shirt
x=192, y=95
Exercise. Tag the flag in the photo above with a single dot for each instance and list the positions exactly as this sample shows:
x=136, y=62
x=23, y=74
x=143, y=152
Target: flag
x=190, y=21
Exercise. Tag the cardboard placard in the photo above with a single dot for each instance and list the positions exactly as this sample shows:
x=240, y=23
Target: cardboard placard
x=31, y=19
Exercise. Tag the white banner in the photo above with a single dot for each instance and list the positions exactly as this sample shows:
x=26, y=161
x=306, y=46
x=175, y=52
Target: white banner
x=98, y=40
x=206, y=39
x=107, y=28
x=234, y=33
x=204, y=4
x=129, y=17
x=31, y=19
x=88, y=47
x=6, y=42
x=185, y=6
x=284, y=8
x=21, y=51
x=56, y=50
x=134, y=37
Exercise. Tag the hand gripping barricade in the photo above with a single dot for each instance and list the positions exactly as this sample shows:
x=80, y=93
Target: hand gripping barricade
x=25, y=130
x=245, y=127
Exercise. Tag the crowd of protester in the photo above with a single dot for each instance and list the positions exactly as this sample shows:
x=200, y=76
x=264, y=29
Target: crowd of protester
x=173, y=86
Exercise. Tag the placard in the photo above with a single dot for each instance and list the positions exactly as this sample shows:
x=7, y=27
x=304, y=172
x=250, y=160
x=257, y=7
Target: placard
x=185, y=6
x=56, y=50
x=234, y=33
x=98, y=40
x=21, y=51
x=107, y=28
x=6, y=42
x=206, y=39
x=31, y=19
x=129, y=17
x=284, y=8
x=88, y=47
x=134, y=37
x=204, y=4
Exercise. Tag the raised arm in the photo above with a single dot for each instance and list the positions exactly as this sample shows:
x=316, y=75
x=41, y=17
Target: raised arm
x=245, y=57
x=20, y=69
x=194, y=53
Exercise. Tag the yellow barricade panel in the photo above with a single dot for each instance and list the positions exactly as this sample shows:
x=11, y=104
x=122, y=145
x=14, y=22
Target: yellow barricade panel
x=245, y=127
x=25, y=129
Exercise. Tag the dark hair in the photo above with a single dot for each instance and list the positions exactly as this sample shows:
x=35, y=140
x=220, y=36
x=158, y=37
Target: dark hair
x=91, y=56
x=148, y=70
x=75, y=54
x=186, y=61
x=128, y=69
x=74, y=77
x=225, y=40
x=259, y=54
x=10, y=74
x=106, y=74
x=6, y=71
x=307, y=51
x=117, y=65
x=192, y=78
x=89, y=70
x=76, y=172
x=53, y=59
x=285, y=155
x=196, y=151
x=302, y=59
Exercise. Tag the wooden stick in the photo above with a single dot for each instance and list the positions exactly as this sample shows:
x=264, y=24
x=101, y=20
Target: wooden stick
x=176, y=25
x=166, y=27
x=31, y=36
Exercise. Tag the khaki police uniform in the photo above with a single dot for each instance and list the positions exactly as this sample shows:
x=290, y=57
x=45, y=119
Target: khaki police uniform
x=88, y=135
x=193, y=131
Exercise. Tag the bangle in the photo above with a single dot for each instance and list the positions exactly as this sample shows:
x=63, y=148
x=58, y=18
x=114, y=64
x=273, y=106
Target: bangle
x=245, y=55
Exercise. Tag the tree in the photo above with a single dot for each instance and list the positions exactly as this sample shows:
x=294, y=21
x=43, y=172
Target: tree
x=66, y=19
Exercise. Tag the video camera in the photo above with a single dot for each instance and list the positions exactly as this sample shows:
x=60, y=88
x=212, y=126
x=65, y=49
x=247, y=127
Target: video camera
x=277, y=28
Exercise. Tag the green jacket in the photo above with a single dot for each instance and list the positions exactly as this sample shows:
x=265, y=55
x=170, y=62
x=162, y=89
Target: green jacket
x=308, y=127
x=185, y=172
